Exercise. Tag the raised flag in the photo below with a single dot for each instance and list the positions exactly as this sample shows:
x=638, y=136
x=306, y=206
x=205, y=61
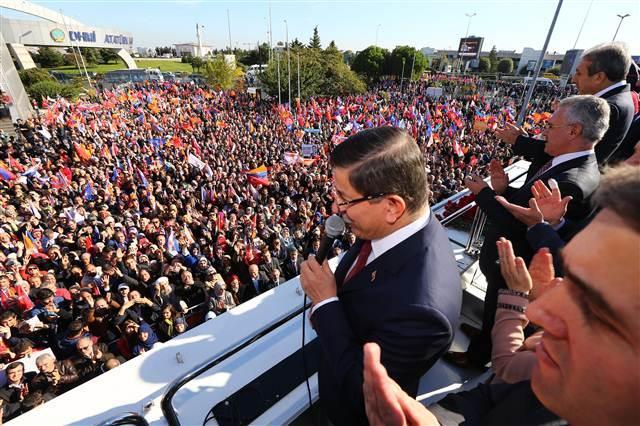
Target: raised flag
x=88, y=193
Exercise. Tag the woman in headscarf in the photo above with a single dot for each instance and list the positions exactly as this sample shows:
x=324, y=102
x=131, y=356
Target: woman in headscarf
x=146, y=339
x=166, y=323
x=221, y=300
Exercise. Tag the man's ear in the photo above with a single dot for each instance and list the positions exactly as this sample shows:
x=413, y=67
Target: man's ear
x=394, y=208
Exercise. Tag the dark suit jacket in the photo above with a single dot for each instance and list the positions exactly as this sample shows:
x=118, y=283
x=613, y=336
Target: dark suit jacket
x=407, y=300
x=620, y=118
x=629, y=143
x=288, y=269
x=578, y=178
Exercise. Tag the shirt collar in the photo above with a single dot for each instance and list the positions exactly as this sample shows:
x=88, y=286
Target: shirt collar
x=613, y=86
x=382, y=245
x=569, y=156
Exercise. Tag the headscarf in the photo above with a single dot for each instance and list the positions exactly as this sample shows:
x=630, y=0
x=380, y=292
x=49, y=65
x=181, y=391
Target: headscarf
x=147, y=344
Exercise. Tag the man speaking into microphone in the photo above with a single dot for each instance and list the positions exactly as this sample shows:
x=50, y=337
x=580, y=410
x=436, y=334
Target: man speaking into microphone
x=397, y=286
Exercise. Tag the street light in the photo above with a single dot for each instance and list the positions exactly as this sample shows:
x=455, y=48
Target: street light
x=377, y=29
x=469, y=15
x=286, y=26
x=402, y=77
x=619, y=23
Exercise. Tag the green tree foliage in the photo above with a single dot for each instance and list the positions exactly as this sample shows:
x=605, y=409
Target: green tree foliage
x=370, y=63
x=34, y=75
x=493, y=59
x=186, y=59
x=108, y=55
x=485, y=65
x=296, y=44
x=321, y=73
x=48, y=57
x=505, y=66
x=222, y=75
x=90, y=55
x=255, y=56
x=196, y=63
x=44, y=89
x=348, y=56
x=406, y=53
x=314, y=42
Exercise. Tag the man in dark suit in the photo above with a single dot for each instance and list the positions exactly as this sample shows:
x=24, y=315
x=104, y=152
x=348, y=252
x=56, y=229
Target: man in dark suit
x=398, y=285
x=568, y=157
x=601, y=72
x=291, y=267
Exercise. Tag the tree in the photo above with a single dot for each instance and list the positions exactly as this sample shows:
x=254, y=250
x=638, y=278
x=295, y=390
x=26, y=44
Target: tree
x=296, y=44
x=314, y=42
x=321, y=73
x=186, y=59
x=505, y=66
x=222, y=75
x=90, y=55
x=196, y=63
x=406, y=53
x=51, y=89
x=108, y=55
x=493, y=59
x=48, y=57
x=348, y=56
x=484, y=65
x=370, y=62
x=34, y=75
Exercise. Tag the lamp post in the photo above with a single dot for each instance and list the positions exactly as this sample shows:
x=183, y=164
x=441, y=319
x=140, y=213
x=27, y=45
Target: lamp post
x=299, y=77
x=279, y=93
x=619, y=23
x=377, y=29
x=286, y=26
x=402, y=77
x=469, y=15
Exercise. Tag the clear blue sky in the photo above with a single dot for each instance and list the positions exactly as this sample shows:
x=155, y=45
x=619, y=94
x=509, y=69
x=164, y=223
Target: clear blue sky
x=510, y=25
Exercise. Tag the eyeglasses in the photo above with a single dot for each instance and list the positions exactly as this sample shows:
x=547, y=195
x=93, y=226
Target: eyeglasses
x=349, y=203
x=551, y=126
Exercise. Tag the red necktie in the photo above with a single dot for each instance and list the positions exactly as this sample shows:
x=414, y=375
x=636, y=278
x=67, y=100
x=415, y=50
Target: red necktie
x=361, y=261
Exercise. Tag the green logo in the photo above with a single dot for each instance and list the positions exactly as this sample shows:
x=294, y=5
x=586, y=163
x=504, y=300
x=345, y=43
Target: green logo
x=57, y=35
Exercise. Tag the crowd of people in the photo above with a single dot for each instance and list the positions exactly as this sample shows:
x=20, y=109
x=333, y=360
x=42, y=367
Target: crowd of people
x=129, y=217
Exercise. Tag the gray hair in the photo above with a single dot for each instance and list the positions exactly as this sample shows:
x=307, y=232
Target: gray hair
x=590, y=112
x=611, y=58
x=44, y=357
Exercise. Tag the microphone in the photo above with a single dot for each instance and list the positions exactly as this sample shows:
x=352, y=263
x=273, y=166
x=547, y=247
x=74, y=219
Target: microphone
x=333, y=228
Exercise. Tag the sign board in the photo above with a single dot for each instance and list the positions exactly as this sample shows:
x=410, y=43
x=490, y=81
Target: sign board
x=309, y=150
x=434, y=92
x=531, y=65
x=470, y=47
x=252, y=90
x=547, y=63
x=570, y=61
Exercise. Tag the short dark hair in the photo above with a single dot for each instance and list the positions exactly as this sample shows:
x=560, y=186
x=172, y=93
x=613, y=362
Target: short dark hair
x=611, y=58
x=8, y=315
x=385, y=159
x=619, y=191
x=14, y=365
x=44, y=293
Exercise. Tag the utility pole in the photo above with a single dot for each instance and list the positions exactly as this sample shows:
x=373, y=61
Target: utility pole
x=279, y=93
x=523, y=110
x=299, y=77
x=286, y=26
x=402, y=77
x=229, y=27
x=377, y=29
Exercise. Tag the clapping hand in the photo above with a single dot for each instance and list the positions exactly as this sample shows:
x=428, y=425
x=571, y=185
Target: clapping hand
x=509, y=133
x=475, y=184
x=499, y=179
x=546, y=204
x=542, y=273
x=513, y=269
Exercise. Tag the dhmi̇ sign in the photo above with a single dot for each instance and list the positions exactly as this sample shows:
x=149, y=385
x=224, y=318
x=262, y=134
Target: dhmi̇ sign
x=82, y=36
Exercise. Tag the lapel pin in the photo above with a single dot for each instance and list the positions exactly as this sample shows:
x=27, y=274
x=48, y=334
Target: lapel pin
x=373, y=276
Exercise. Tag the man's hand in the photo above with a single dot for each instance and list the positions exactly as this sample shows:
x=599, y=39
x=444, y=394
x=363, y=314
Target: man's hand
x=475, y=184
x=384, y=401
x=542, y=272
x=509, y=133
x=499, y=179
x=513, y=269
x=528, y=215
x=317, y=281
x=550, y=201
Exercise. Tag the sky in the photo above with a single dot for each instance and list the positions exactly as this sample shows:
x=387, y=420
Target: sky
x=356, y=24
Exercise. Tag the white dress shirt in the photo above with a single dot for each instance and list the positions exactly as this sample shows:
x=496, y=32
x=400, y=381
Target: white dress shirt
x=569, y=156
x=607, y=89
x=384, y=244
